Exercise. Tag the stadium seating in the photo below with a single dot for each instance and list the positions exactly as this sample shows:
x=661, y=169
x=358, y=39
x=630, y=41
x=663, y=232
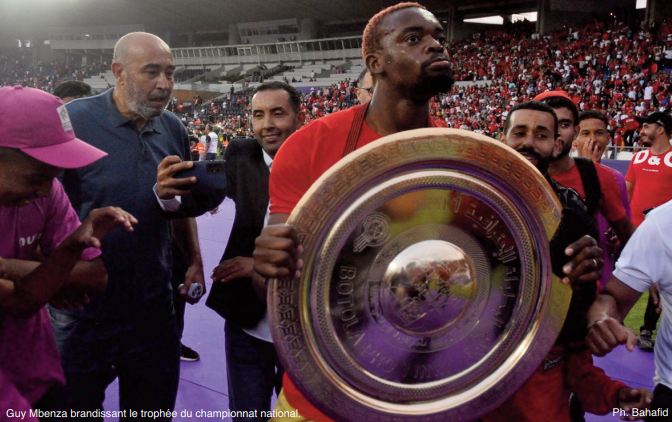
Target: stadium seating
x=623, y=71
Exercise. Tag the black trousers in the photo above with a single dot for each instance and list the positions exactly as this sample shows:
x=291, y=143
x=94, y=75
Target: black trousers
x=650, y=316
x=662, y=399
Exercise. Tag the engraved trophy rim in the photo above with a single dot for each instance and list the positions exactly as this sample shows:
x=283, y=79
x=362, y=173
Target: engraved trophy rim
x=331, y=370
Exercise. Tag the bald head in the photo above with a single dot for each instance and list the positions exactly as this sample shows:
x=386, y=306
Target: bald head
x=143, y=66
x=136, y=44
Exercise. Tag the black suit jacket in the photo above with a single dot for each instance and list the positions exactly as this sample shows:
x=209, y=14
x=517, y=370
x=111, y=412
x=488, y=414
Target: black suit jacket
x=247, y=176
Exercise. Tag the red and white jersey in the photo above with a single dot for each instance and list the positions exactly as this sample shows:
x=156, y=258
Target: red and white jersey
x=651, y=178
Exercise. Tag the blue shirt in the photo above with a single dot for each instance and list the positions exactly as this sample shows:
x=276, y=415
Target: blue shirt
x=138, y=263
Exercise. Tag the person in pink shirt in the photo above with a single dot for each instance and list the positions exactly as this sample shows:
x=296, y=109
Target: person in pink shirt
x=46, y=254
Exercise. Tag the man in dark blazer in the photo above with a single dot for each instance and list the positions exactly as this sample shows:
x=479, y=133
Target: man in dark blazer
x=253, y=370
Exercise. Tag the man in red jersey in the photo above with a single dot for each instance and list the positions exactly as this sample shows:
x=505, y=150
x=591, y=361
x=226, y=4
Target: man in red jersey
x=649, y=177
x=403, y=47
x=594, y=183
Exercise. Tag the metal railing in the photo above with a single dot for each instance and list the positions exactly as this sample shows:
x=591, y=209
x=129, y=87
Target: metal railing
x=286, y=51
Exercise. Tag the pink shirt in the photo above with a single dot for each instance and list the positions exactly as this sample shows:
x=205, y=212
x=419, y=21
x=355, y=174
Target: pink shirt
x=29, y=362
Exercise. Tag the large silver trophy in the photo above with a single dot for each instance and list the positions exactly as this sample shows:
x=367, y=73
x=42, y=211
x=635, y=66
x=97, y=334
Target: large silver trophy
x=427, y=290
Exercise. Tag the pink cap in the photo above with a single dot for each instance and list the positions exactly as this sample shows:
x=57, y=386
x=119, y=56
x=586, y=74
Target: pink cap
x=38, y=124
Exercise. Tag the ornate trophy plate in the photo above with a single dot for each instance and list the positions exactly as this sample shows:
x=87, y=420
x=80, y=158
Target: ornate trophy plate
x=427, y=290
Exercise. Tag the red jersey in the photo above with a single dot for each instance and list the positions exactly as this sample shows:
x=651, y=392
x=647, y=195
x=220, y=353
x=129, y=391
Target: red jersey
x=309, y=152
x=301, y=160
x=545, y=395
x=611, y=205
x=651, y=178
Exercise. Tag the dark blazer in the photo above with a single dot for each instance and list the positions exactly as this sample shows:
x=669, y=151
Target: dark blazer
x=247, y=177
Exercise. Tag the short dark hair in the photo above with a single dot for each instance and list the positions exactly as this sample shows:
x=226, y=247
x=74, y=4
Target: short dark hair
x=594, y=114
x=294, y=96
x=75, y=89
x=559, y=102
x=370, y=42
x=536, y=106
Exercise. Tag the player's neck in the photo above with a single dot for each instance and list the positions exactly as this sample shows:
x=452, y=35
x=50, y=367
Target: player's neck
x=561, y=165
x=660, y=145
x=387, y=116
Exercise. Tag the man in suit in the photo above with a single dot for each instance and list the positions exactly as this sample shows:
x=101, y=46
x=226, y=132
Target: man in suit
x=253, y=370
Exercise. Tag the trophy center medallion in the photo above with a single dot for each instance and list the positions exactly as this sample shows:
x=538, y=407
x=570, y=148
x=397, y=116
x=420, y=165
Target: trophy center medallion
x=427, y=286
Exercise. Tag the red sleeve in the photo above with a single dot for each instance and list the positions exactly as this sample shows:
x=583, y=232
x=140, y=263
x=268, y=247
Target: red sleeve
x=611, y=206
x=595, y=390
x=290, y=176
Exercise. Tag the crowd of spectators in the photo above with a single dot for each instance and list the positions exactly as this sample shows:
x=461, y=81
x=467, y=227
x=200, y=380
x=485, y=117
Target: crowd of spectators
x=19, y=69
x=608, y=67
x=622, y=71
x=230, y=112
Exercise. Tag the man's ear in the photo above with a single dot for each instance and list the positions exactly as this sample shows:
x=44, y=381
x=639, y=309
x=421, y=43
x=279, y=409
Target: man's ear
x=374, y=62
x=117, y=68
x=557, y=148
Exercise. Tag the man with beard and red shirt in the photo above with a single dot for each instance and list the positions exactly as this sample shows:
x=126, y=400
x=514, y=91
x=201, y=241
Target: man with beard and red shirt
x=403, y=47
x=649, y=177
x=594, y=183
x=532, y=129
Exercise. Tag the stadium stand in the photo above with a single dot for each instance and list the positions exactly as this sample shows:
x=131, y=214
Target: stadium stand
x=624, y=71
